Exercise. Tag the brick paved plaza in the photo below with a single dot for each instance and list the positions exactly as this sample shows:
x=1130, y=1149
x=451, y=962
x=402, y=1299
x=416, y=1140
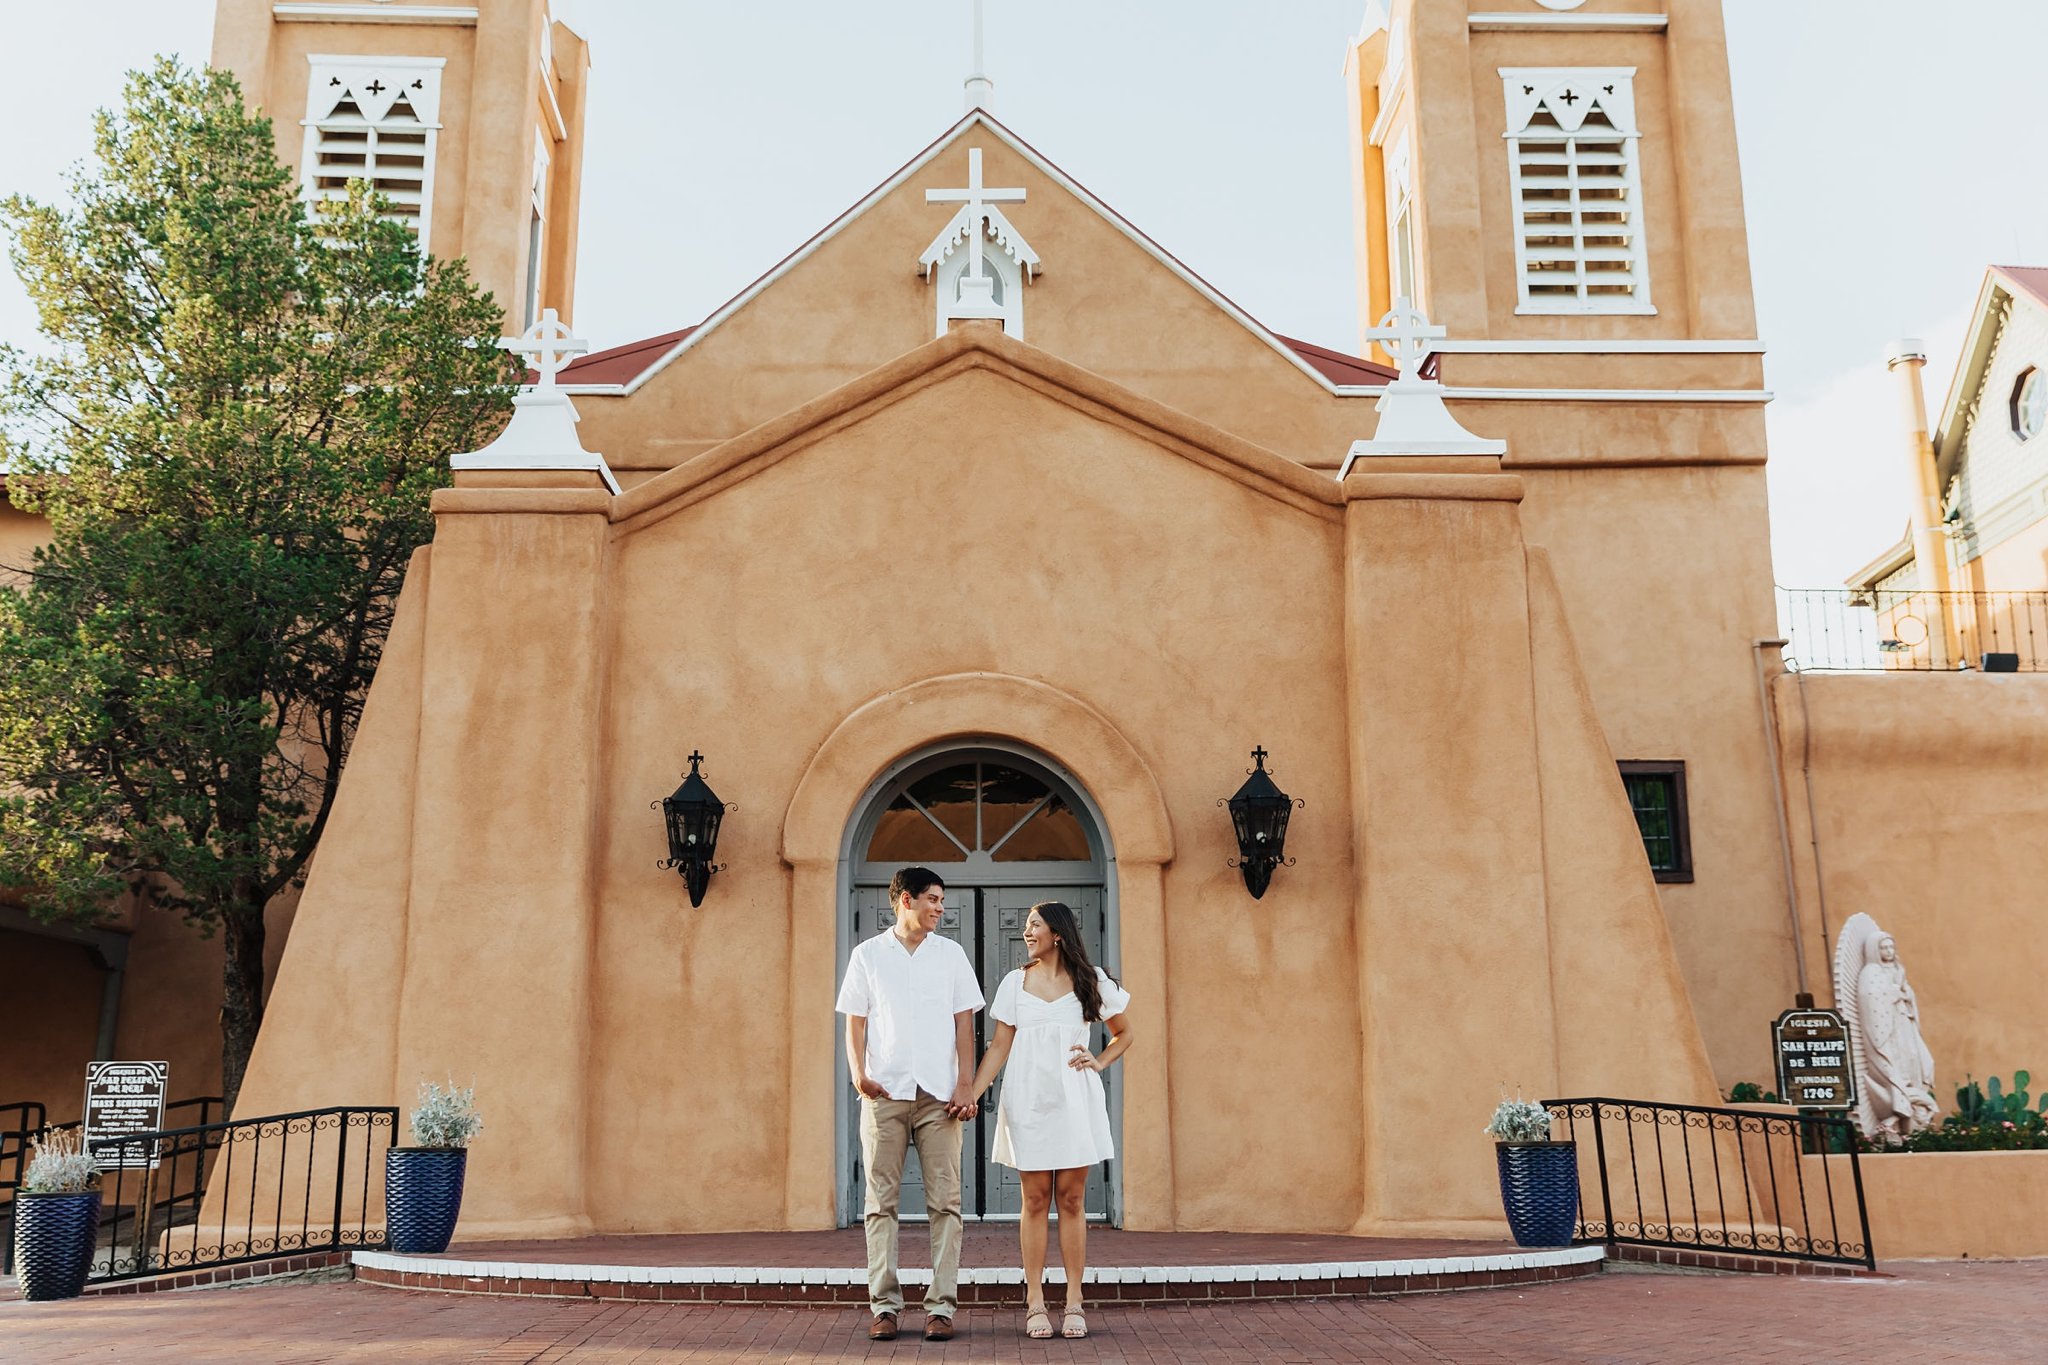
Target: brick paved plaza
x=1923, y=1312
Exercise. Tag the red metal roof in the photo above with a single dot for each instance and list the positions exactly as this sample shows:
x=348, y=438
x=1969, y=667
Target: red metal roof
x=623, y=364
x=1339, y=368
x=2028, y=279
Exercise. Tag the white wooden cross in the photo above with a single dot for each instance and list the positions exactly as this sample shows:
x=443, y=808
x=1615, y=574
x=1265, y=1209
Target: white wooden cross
x=548, y=342
x=1406, y=333
x=976, y=196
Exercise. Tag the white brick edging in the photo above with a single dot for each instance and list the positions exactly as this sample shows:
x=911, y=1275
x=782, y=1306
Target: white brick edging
x=394, y=1262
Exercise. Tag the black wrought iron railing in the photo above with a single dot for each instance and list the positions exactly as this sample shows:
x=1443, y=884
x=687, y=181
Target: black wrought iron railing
x=19, y=1123
x=239, y=1190
x=1741, y=1181
x=1882, y=630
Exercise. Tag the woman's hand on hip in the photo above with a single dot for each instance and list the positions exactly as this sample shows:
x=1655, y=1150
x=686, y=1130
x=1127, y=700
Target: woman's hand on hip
x=1081, y=1059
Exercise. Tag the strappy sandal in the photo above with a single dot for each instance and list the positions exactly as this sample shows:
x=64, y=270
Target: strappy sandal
x=1035, y=1333
x=1073, y=1324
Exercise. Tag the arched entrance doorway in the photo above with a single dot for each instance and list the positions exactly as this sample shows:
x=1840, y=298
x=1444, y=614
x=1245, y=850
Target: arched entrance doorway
x=1006, y=828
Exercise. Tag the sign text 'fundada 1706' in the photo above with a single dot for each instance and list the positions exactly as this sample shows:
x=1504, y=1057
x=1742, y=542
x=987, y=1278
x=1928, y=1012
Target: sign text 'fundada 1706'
x=123, y=1098
x=1812, y=1048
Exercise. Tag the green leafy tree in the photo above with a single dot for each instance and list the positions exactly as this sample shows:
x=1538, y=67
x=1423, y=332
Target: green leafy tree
x=234, y=427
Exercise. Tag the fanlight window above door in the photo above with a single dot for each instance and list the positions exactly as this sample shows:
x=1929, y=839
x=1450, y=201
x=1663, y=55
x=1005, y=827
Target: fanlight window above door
x=978, y=811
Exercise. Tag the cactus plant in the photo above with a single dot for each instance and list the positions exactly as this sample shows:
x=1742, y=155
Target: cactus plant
x=1991, y=1102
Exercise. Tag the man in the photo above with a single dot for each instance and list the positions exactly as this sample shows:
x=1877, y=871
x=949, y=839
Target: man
x=909, y=999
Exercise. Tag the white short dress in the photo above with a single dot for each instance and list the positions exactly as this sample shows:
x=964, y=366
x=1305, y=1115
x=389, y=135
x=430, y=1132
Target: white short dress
x=1053, y=1116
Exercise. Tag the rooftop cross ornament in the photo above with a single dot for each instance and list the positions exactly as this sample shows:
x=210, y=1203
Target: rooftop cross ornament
x=1406, y=333
x=542, y=432
x=977, y=197
x=1412, y=417
x=548, y=342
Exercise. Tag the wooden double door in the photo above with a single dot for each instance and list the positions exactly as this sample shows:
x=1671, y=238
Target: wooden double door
x=988, y=922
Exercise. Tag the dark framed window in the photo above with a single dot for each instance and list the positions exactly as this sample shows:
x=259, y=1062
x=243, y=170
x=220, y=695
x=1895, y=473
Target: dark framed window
x=1656, y=793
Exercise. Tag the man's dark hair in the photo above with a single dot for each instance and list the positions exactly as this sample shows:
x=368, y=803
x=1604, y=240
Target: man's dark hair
x=915, y=880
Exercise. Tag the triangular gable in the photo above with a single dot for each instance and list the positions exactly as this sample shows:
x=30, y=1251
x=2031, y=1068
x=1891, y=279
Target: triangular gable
x=574, y=376
x=2003, y=284
x=982, y=347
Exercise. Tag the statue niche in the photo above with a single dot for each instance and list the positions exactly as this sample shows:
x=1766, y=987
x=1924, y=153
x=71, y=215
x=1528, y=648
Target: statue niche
x=1894, y=1070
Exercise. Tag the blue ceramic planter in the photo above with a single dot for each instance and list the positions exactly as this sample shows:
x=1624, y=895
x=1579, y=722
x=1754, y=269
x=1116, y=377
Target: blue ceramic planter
x=422, y=1196
x=54, y=1237
x=1539, y=1188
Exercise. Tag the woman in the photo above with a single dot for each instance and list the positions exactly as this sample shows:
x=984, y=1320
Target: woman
x=1053, y=1125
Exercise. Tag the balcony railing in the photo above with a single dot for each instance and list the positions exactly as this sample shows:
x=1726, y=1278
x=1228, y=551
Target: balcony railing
x=1882, y=631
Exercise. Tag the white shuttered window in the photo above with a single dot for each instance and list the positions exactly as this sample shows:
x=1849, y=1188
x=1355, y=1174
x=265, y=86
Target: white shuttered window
x=1577, y=190
x=374, y=119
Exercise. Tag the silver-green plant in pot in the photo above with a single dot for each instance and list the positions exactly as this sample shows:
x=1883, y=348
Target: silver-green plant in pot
x=57, y=1217
x=423, y=1182
x=1539, y=1176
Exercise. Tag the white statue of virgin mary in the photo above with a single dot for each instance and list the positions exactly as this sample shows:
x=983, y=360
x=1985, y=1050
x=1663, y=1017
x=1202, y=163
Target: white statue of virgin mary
x=1894, y=1070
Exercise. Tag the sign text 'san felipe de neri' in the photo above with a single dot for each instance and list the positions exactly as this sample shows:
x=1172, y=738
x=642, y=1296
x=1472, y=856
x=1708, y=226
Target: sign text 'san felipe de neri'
x=1812, y=1048
x=122, y=1098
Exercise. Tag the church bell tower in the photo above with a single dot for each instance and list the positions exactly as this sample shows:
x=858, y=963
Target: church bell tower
x=468, y=117
x=1549, y=170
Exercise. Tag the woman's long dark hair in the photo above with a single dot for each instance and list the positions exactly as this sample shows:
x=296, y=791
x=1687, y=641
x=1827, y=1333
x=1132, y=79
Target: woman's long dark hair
x=1065, y=928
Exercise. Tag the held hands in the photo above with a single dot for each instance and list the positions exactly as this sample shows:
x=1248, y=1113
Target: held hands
x=1086, y=1061
x=963, y=1105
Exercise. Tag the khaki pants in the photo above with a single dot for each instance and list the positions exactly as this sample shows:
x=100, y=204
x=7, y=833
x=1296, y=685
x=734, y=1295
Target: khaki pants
x=887, y=1129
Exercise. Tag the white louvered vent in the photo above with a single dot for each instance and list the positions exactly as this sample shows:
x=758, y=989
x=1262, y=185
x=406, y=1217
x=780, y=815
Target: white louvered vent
x=1577, y=191
x=374, y=119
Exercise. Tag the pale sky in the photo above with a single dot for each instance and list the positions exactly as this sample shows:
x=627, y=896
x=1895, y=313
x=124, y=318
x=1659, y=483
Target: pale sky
x=1890, y=150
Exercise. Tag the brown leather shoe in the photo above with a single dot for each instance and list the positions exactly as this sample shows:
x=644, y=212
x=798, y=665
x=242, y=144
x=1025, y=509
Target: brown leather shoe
x=883, y=1328
x=938, y=1329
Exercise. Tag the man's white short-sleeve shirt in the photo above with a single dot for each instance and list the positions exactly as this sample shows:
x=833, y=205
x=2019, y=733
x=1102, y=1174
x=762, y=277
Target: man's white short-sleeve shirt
x=909, y=1000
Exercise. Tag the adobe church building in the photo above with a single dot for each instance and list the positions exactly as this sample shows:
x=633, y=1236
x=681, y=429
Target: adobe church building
x=981, y=511
x=981, y=532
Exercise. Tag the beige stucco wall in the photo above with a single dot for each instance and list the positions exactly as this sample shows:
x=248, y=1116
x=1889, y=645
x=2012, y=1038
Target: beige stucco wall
x=1932, y=818
x=1153, y=596
x=494, y=97
x=856, y=303
x=1452, y=108
x=1943, y=1205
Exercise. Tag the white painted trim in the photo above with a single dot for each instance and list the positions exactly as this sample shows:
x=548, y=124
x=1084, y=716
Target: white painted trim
x=375, y=60
x=327, y=63
x=1612, y=395
x=1586, y=310
x=1390, y=110
x=464, y=15
x=1473, y=394
x=1574, y=23
x=1488, y=346
x=547, y=85
x=1528, y=92
x=1045, y=168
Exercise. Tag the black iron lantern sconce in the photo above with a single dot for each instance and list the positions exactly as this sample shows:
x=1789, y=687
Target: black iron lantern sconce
x=693, y=814
x=1259, y=814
